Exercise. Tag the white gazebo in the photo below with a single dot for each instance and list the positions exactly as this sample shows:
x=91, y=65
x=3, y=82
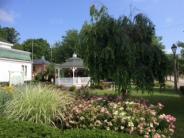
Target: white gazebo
x=72, y=73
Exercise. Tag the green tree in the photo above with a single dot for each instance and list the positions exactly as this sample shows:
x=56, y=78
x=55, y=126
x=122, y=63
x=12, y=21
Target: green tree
x=40, y=48
x=9, y=34
x=122, y=50
x=65, y=48
x=181, y=58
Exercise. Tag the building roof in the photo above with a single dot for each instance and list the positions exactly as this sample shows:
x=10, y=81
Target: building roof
x=40, y=61
x=3, y=40
x=73, y=62
x=14, y=54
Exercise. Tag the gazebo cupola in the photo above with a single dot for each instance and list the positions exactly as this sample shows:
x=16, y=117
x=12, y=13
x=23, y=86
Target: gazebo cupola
x=72, y=72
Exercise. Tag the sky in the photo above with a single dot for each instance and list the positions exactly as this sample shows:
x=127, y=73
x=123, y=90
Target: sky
x=50, y=19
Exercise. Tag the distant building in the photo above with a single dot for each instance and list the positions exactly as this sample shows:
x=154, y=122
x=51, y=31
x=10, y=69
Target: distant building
x=15, y=65
x=39, y=66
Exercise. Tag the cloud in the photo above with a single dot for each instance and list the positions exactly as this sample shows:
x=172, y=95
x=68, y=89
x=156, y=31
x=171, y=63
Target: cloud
x=6, y=16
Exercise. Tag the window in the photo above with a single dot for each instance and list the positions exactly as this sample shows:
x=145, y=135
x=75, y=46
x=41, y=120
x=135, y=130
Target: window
x=24, y=70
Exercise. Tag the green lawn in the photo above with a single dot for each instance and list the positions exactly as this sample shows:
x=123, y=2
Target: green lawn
x=173, y=101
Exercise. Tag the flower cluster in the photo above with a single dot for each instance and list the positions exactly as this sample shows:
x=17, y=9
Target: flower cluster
x=125, y=116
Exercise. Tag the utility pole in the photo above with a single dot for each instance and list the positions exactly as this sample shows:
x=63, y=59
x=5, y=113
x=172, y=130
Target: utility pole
x=175, y=74
x=32, y=49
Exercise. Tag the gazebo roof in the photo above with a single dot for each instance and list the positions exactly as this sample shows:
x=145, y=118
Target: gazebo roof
x=40, y=61
x=73, y=62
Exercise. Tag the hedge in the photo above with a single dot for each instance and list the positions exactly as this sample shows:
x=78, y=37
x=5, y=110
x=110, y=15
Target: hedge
x=86, y=133
x=19, y=129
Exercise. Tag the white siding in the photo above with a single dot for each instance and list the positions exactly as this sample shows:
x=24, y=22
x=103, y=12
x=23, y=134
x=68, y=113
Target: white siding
x=5, y=45
x=7, y=66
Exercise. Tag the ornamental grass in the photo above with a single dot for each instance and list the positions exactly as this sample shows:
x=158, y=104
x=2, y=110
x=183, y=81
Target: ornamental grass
x=38, y=104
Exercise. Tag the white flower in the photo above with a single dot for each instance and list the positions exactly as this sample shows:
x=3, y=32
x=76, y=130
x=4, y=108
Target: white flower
x=151, y=125
x=108, y=128
x=122, y=114
x=115, y=113
x=122, y=127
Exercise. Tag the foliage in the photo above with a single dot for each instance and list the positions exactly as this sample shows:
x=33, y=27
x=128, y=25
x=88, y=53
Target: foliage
x=50, y=71
x=122, y=50
x=5, y=96
x=39, y=77
x=65, y=48
x=37, y=103
x=17, y=129
x=9, y=34
x=86, y=133
x=102, y=85
x=83, y=92
x=180, y=60
x=129, y=117
x=72, y=88
x=40, y=48
x=96, y=86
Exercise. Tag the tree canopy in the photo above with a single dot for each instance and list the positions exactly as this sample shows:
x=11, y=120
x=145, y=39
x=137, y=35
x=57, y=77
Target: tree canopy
x=65, y=48
x=122, y=50
x=9, y=34
x=40, y=48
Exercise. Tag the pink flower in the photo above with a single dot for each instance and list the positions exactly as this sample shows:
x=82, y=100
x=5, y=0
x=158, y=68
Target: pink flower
x=103, y=110
x=170, y=118
x=157, y=136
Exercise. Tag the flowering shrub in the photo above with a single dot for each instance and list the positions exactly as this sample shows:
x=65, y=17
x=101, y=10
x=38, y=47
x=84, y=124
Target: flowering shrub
x=129, y=117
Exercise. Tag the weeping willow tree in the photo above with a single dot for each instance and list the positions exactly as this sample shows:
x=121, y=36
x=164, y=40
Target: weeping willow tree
x=122, y=50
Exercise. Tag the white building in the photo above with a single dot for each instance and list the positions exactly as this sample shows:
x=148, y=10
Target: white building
x=15, y=65
x=72, y=73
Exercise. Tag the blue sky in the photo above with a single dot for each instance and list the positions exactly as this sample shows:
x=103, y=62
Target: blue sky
x=50, y=19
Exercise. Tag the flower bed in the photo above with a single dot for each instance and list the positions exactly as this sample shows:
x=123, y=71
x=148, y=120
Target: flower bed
x=124, y=116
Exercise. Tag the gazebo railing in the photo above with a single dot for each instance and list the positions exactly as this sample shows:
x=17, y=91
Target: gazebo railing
x=77, y=81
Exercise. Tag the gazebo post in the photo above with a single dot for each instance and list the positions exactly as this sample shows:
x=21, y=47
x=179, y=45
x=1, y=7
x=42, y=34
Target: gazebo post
x=73, y=70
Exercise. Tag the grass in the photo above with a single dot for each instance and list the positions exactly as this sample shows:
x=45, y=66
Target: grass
x=173, y=101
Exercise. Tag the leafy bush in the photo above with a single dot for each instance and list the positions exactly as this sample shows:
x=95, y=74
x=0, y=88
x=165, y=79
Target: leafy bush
x=39, y=77
x=86, y=133
x=129, y=117
x=83, y=92
x=16, y=129
x=72, y=88
x=37, y=103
